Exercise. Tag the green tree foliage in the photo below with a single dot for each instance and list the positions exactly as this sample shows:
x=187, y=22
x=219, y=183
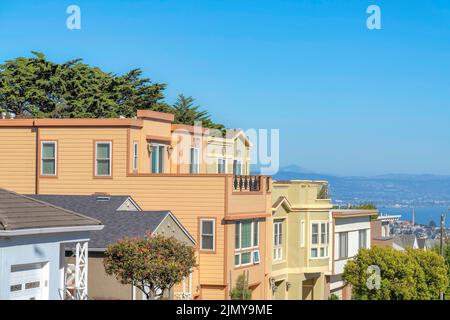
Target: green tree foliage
x=241, y=290
x=36, y=87
x=187, y=113
x=366, y=206
x=153, y=264
x=404, y=275
x=447, y=262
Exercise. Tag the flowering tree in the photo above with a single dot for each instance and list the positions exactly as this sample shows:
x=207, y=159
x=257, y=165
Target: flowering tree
x=153, y=264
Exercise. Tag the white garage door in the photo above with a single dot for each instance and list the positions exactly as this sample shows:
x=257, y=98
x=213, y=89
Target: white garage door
x=29, y=282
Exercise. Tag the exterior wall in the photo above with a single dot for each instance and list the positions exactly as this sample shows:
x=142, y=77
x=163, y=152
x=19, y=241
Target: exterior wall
x=18, y=159
x=36, y=249
x=188, y=197
x=305, y=276
x=351, y=225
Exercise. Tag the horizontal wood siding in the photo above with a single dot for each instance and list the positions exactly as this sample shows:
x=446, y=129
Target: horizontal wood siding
x=188, y=197
x=17, y=159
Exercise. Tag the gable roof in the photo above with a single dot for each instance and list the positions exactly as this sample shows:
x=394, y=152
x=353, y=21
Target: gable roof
x=404, y=241
x=19, y=212
x=118, y=224
x=282, y=200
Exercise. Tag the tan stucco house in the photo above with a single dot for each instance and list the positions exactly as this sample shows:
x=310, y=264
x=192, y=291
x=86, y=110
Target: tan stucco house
x=301, y=251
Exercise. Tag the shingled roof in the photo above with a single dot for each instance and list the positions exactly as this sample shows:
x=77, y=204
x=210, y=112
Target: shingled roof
x=18, y=212
x=118, y=224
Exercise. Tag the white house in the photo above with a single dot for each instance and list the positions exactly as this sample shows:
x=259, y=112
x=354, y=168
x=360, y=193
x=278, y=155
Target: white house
x=351, y=232
x=33, y=239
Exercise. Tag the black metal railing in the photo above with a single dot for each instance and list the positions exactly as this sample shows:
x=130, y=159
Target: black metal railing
x=247, y=183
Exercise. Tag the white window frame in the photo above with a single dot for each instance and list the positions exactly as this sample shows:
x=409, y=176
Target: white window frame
x=110, y=158
x=159, y=165
x=213, y=234
x=277, y=242
x=135, y=155
x=319, y=246
x=224, y=165
x=252, y=249
x=55, y=143
x=191, y=164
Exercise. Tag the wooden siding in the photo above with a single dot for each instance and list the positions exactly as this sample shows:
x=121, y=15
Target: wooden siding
x=17, y=159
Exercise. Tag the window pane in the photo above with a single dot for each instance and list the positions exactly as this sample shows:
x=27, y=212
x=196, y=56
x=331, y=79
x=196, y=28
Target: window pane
x=161, y=159
x=246, y=257
x=322, y=252
x=246, y=233
x=103, y=167
x=48, y=150
x=237, y=235
x=314, y=253
x=194, y=160
x=207, y=242
x=255, y=234
x=237, y=259
x=48, y=167
x=103, y=150
x=207, y=227
x=322, y=233
x=155, y=157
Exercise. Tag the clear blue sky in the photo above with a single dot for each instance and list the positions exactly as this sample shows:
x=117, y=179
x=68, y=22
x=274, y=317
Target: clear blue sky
x=346, y=99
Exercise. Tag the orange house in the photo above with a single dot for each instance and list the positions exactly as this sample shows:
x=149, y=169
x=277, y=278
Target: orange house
x=162, y=168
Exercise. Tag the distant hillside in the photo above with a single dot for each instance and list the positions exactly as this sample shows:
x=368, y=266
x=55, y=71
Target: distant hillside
x=385, y=190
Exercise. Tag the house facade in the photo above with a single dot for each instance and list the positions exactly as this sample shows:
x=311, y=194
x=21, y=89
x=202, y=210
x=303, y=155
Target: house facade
x=301, y=242
x=33, y=239
x=122, y=218
x=351, y=232
x=163, y=167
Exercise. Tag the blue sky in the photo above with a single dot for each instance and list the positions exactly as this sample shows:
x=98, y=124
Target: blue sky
x=347, y=100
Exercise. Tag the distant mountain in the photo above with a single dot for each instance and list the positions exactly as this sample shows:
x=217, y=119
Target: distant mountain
x=384, y=190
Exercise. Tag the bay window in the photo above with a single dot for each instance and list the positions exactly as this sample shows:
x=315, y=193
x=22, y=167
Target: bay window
x=277, y=241
x=246, y=243
x=320, y=238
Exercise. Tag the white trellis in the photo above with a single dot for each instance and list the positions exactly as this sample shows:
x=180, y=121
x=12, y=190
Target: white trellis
x=76, y=275
x=186, y=294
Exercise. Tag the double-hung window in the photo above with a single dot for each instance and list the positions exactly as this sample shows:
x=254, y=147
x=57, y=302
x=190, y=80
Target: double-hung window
x=48, y=158
x=157, y=158
x=246, y=243
x=343, y=245
x=135, y=156
x=221, y=166
x=103, y=155
x=277, y=241
x=207, y=234
x=194, y=163
x=319, y=239
x=363, y=239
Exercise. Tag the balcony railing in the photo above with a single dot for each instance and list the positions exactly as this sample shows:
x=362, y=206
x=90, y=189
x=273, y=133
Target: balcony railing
x=246, y=183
